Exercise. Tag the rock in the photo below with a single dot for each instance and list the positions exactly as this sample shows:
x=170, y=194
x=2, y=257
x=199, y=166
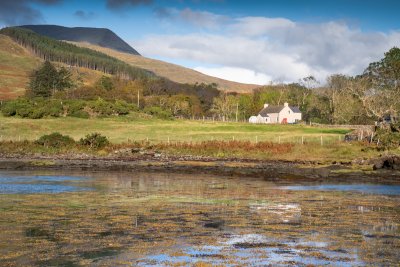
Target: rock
x=136, y=150
x=391, y=162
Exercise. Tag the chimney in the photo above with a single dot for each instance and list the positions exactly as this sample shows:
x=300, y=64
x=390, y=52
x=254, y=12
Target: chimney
x=286, y=104
x=265, y=105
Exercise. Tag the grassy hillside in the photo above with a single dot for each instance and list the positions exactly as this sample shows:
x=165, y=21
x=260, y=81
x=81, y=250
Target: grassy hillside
x=171, y=71
x=16, y=64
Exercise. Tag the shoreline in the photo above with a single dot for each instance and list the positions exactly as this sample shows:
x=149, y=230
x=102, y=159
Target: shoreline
x=302, y=171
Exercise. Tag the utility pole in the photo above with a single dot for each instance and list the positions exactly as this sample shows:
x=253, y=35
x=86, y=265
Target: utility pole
x=237, y=110
x=138, y=98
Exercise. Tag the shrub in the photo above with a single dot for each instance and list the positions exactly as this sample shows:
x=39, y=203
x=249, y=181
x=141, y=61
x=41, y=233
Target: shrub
x=9, y=109
x=158, y=113
x=102, y=107
x=79, y=114
x=121, y=107
x=36, y=113
x=53, y=108
x=94, y=140
x=75, y=105
x=55, y=140
x=33, y=108
x=24, y=110
x=389, y=137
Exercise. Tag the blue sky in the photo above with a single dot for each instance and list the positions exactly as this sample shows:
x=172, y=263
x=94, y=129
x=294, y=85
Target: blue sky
x=248, y=41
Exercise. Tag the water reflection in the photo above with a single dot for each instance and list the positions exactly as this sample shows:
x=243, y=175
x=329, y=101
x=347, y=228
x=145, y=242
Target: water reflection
x=26, y=184
x=363, y=188
x=147, y=219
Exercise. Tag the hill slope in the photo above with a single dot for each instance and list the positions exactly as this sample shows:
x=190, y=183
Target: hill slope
x=95, y=36
x=17, y=63
x=171, y=71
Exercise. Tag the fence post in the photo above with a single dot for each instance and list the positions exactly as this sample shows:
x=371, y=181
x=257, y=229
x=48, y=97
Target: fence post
x=322, y=142
x=302, y=140
x=279, y=139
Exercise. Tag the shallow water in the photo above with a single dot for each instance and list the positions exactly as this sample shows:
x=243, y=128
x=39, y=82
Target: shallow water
x=13, y=184
x=362, y=188
x=149, y=219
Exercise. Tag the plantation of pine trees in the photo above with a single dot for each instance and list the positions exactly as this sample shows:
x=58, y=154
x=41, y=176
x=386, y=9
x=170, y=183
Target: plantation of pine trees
x=54, y=50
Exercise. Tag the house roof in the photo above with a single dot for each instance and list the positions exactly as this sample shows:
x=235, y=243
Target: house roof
x=270, y=109
x=295, y=109
x=276, y=109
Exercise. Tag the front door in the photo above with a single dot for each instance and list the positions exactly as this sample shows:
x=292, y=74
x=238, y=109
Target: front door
x=284, y=121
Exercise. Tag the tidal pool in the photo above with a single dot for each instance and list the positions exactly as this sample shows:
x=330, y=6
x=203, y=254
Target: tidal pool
x=153, y=219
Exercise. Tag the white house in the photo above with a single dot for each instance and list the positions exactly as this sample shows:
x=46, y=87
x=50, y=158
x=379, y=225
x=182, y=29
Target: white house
x=277, y=114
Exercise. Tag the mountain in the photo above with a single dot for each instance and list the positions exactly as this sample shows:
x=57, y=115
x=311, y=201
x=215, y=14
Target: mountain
x=96, y=36
x=171, y=71
x=107, y=42
x=22, y=50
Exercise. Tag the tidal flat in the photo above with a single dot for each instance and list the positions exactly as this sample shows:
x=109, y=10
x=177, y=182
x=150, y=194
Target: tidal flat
x=88, y=218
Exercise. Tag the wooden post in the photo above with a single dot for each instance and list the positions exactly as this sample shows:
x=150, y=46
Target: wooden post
x=233, y=138
x=322, y=142
x=147, y=139
x=279, y=139
x=237, y=110
x=302, y=140
x=138, y=98
x=362, y=135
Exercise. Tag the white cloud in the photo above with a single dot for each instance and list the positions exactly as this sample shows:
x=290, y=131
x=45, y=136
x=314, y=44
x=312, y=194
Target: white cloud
x=278, y=49
x=236, y=74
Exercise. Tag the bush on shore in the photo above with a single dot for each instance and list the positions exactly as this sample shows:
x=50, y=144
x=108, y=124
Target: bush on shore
x=55, y=140
x=94, y=140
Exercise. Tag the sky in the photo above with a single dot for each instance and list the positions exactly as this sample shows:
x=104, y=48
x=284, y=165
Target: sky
x=257, y=42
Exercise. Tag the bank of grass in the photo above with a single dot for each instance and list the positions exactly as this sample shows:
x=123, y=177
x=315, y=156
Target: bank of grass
x=183, y=138
x=136, y=127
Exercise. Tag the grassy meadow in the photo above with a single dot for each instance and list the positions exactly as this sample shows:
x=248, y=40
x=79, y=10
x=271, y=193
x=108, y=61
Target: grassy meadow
x=134, y=128
x=187, y=137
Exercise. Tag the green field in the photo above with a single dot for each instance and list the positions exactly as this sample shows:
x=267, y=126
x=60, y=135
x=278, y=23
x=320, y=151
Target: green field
x=134, y=128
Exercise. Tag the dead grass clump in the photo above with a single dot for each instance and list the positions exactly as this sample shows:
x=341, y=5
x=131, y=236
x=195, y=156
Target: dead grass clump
x=227, y=146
